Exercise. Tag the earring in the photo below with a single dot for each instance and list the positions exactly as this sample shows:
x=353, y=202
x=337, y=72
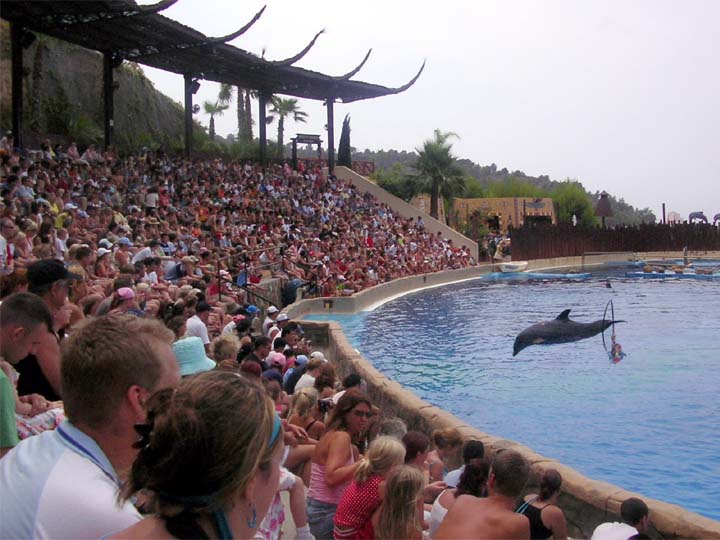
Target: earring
x=252, y=522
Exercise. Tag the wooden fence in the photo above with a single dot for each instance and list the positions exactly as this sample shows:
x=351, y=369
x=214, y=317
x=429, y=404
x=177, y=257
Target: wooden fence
x=544, y=242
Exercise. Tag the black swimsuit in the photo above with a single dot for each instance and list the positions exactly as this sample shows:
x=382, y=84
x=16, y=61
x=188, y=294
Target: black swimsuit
x=538, y=530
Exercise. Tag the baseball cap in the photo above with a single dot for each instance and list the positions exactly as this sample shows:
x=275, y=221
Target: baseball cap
x=69, y=206
x=125, y=241
x=318, y=355
x=103, y=251
x=272, y=309
x=251, y=310
x=47, y=271
x=126, y=293
x=202, y=306
x=107, y=244
x=282, y=317
x=301, y=359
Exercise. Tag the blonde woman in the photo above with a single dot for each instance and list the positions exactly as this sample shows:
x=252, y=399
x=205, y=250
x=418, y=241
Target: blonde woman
x=365, y=493
x=225, y=349
x=398, y=518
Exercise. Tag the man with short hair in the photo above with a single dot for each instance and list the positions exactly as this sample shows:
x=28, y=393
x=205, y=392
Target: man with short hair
x=493, y=517
x=197, y=324
x=8, y=232
x=24, y=320
x=64, y=483
x=261, y=350
x=636, y=518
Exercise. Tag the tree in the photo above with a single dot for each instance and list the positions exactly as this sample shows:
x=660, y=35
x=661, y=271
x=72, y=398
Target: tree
x=344, y=153
x=282, y=108
x=571, y=199
x=214, y=109
x=438, y=172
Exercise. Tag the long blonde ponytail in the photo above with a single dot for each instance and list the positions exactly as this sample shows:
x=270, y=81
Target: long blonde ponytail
x=384, y=454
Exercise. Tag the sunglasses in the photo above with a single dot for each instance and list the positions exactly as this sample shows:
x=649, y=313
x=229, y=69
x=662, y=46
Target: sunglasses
x=361, y=414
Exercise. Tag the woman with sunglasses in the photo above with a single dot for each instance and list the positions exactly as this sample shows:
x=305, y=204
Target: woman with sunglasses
x=336, y=460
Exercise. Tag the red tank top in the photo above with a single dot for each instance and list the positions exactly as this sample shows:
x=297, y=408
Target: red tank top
x=358, y=503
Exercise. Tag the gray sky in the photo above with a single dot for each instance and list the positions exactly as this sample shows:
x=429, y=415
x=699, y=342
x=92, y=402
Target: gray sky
x=621, y=95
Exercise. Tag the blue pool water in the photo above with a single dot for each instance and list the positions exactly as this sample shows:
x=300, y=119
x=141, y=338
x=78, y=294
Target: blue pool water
x=650, y=424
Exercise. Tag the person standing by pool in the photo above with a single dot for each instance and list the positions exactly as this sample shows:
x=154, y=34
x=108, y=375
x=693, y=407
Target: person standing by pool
x=336, y=461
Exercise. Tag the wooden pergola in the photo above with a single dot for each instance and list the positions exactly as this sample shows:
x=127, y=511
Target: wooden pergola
x=122, y=30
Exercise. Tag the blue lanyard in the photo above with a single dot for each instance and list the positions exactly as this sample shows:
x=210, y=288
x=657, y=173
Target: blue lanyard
x=80, y=449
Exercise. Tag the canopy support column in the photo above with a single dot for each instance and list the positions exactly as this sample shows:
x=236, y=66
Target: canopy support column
x=17, y=81
x=108, y=102
x=331, y=134
x=262, y=126
x=188, y=115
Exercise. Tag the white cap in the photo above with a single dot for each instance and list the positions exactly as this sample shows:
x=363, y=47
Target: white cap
x=103, y=251
x=272, y=309
x=282, y=317
x=318, y=355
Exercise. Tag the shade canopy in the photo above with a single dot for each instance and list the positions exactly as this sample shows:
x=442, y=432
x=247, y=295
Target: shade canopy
x=140, y=34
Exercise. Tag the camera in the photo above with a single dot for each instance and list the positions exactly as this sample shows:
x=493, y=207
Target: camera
x=324, y=405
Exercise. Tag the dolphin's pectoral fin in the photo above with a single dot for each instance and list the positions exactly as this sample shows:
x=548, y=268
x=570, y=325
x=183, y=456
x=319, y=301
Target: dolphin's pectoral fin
x=564, y=315
x=538, y=341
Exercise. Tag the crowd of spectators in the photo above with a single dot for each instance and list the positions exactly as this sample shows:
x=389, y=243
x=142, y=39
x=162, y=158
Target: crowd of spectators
x=144, y=395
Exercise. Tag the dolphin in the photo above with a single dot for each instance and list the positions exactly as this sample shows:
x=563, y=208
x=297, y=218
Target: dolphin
x=559, y=330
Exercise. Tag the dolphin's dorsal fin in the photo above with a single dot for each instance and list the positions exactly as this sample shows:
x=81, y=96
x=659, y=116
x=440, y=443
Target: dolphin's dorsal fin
x=564, y=315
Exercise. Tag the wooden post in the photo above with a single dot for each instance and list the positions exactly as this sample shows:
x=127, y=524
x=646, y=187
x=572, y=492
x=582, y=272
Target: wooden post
x=262, y=126
x=17, y=81
x=108, y=104
x=188, y=115
x=331, y=135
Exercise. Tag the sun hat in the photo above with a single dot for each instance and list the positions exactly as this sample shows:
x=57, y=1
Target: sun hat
x=191, y=357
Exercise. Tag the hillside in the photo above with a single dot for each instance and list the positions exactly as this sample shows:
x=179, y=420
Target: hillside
x=63, y=98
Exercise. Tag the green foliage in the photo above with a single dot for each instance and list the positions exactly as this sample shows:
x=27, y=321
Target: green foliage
x=282, y=108
x=344, y=152
x=57, y=112
x=515, y=187
x=473, y=189
x=571, y=199
x=397, y=181
x=84, y=131
x=437, y=171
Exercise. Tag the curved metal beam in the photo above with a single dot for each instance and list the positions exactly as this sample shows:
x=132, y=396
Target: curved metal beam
x=156, y=8
x=290, y=61
x=230, y=37
x=408, y=84
x=354, y=71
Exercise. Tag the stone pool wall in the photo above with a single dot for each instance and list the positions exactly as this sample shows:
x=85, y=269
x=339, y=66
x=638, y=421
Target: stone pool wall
x=586, y=502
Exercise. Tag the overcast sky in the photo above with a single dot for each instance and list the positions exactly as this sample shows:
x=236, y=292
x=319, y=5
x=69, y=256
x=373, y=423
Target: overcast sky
x=621, y=95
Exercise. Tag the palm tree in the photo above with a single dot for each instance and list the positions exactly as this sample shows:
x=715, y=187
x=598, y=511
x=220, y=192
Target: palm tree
x=214, y=109
x=282, y=108
x=438, y=172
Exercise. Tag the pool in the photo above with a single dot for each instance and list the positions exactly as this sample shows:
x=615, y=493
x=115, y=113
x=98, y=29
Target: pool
x=649, y=424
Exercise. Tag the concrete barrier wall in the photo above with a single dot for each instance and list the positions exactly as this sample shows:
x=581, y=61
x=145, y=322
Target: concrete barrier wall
x=586, y=502
x=406, y=210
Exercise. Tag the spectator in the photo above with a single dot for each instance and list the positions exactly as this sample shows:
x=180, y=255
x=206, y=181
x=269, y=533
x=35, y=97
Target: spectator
x=65, y=482
x=230, y=471
x=473, y=481
x=312, y=370
x=635, y=521
x=24, y=320
x=399, y=516
x=365, y=493
x=197, y=324
x=447, y=445
x=191, y=357
x=492, y=517
x=472, y=451
x=40, y=372
x=546, y=518
x=335, y=461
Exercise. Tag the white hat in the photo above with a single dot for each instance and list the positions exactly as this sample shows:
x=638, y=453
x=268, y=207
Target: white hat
x=107, y=244
x=318, y=355
x=282, y=317
x=272, y=309
x=103, y=251
x=69, y=206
